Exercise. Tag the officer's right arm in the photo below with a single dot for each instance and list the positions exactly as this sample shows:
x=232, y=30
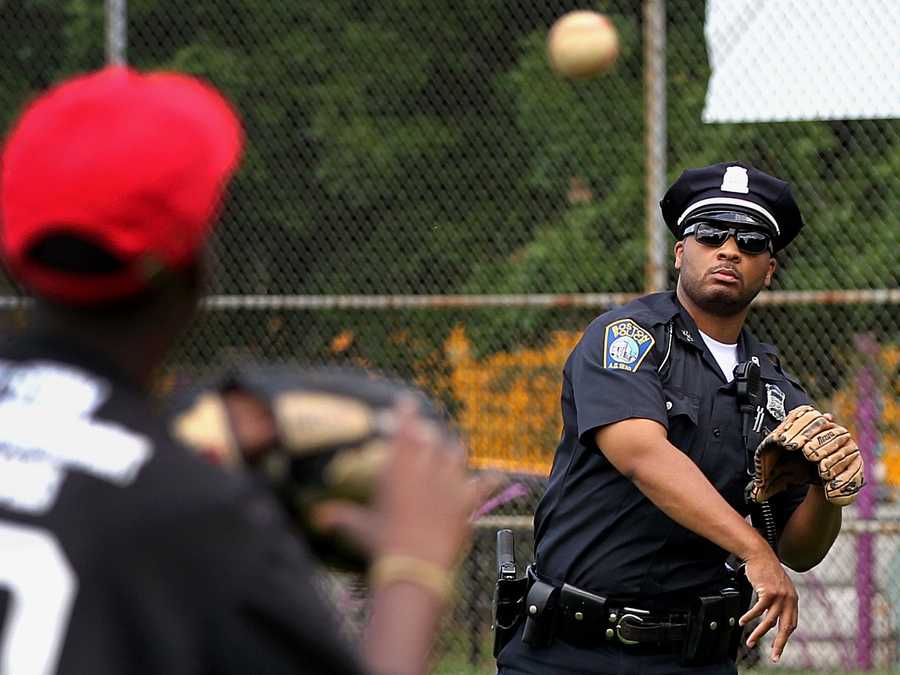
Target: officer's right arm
x=639, y=449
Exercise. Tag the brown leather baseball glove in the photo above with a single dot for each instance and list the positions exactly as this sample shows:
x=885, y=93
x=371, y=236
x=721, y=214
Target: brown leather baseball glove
x=839, y=462
x=807, y=447
x=310, y=434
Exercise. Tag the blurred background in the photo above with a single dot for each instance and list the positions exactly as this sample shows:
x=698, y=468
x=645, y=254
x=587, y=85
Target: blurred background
x=422, y=195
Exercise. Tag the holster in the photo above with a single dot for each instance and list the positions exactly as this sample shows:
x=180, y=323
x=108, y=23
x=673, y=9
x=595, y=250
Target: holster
x=713, y=633
x=509, y=609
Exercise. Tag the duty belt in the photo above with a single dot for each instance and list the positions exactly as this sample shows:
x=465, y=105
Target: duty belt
x=584, y=619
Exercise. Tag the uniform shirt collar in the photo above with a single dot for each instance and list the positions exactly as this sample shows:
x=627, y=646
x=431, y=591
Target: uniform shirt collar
x=667, y=306
x=748, y=346
x=685, y=329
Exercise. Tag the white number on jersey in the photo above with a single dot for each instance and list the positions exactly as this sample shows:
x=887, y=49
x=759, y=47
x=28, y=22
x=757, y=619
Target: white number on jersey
x=41, y=586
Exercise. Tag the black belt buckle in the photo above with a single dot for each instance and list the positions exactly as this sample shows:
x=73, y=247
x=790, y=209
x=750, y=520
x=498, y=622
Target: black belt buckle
x=711, y=624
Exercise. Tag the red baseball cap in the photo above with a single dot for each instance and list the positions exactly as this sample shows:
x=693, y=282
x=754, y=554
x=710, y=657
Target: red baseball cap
x=135, y=164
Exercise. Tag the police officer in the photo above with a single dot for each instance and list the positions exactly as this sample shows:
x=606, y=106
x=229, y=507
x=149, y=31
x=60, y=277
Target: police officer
x=646, y=495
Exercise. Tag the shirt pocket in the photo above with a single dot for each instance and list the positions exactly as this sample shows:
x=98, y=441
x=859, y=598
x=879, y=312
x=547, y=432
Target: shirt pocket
x=683, y=412
x=681, y=407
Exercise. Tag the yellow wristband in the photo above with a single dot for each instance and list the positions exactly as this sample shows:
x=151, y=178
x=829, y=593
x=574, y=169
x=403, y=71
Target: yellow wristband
x=390, y=569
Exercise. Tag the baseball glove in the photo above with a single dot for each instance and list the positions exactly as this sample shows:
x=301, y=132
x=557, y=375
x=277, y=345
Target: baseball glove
x=839, y=462
x=312, y=435
x=807, y=447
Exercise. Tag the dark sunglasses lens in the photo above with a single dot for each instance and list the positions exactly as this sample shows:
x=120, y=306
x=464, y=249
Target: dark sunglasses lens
x=710, y=235
x=752, y=242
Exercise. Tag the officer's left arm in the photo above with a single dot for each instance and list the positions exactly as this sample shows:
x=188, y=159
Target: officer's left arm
x=810, y=531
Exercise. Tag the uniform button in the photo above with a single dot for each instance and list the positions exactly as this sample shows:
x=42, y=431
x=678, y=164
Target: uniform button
x=668, y=405
x=532, y=610
x=610, y=633
x=716, y=432
x=579, y=616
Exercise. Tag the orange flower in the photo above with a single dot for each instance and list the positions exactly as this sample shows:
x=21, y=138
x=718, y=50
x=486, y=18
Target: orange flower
x=508, y=402
x=342, y=341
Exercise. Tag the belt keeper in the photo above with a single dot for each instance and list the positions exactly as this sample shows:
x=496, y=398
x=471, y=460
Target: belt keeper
x=709, y=630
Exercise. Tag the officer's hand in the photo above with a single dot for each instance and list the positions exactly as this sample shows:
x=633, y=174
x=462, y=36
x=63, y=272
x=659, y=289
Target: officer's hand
x=776, y=598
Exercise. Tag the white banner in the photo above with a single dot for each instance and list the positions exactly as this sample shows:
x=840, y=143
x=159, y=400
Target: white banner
x=780, y=60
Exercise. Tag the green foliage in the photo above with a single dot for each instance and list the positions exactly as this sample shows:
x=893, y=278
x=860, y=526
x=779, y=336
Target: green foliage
x=413, y=147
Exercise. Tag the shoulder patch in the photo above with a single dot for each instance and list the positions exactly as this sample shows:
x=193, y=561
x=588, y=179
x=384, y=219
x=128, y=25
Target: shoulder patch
x=625, y=344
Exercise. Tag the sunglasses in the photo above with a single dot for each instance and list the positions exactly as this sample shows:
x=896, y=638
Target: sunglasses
x=752, y=242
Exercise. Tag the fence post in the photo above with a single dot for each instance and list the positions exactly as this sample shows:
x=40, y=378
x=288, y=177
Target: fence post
x=655, y=272
x=867, y=437
x=116, y=31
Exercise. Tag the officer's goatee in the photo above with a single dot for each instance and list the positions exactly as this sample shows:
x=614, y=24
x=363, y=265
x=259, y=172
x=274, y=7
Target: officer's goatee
x=719, y=300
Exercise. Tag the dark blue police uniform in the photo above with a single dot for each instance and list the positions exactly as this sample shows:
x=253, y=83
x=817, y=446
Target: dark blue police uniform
x=617, y=586
x=594, y=529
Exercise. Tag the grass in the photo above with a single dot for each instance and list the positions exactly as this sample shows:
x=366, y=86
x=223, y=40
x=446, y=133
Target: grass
x=454, y=663
x=454, y=660
x=458, y=665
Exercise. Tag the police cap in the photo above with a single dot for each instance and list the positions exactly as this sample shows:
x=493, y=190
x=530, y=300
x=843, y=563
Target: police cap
x=734, y=192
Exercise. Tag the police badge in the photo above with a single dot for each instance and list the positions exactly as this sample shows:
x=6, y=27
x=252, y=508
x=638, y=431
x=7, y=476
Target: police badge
x=775, y=402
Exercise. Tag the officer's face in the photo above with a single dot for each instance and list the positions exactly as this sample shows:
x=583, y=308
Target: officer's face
x=723, y=280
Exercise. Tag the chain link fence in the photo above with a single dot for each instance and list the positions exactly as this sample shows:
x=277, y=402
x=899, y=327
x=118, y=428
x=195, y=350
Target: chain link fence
x=423, y=196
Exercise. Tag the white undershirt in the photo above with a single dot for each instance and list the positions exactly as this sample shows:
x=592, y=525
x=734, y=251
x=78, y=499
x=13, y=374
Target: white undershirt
x=725, y=355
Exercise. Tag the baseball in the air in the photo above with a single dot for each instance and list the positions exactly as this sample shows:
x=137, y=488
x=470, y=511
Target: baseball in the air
x=582, y=44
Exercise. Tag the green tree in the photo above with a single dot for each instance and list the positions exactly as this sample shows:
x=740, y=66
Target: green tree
x=407, y=146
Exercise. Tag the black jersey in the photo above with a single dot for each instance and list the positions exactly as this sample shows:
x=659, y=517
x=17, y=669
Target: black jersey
x=121, y=552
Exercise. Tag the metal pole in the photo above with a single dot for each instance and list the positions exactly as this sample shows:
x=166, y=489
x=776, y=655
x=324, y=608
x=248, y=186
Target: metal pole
x=655, y=270
x=116, y=31
x=867, y=437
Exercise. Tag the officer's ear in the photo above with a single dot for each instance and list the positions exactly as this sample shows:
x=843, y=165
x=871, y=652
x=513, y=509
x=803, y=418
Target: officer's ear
x=679, y=251
x=773, y=265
